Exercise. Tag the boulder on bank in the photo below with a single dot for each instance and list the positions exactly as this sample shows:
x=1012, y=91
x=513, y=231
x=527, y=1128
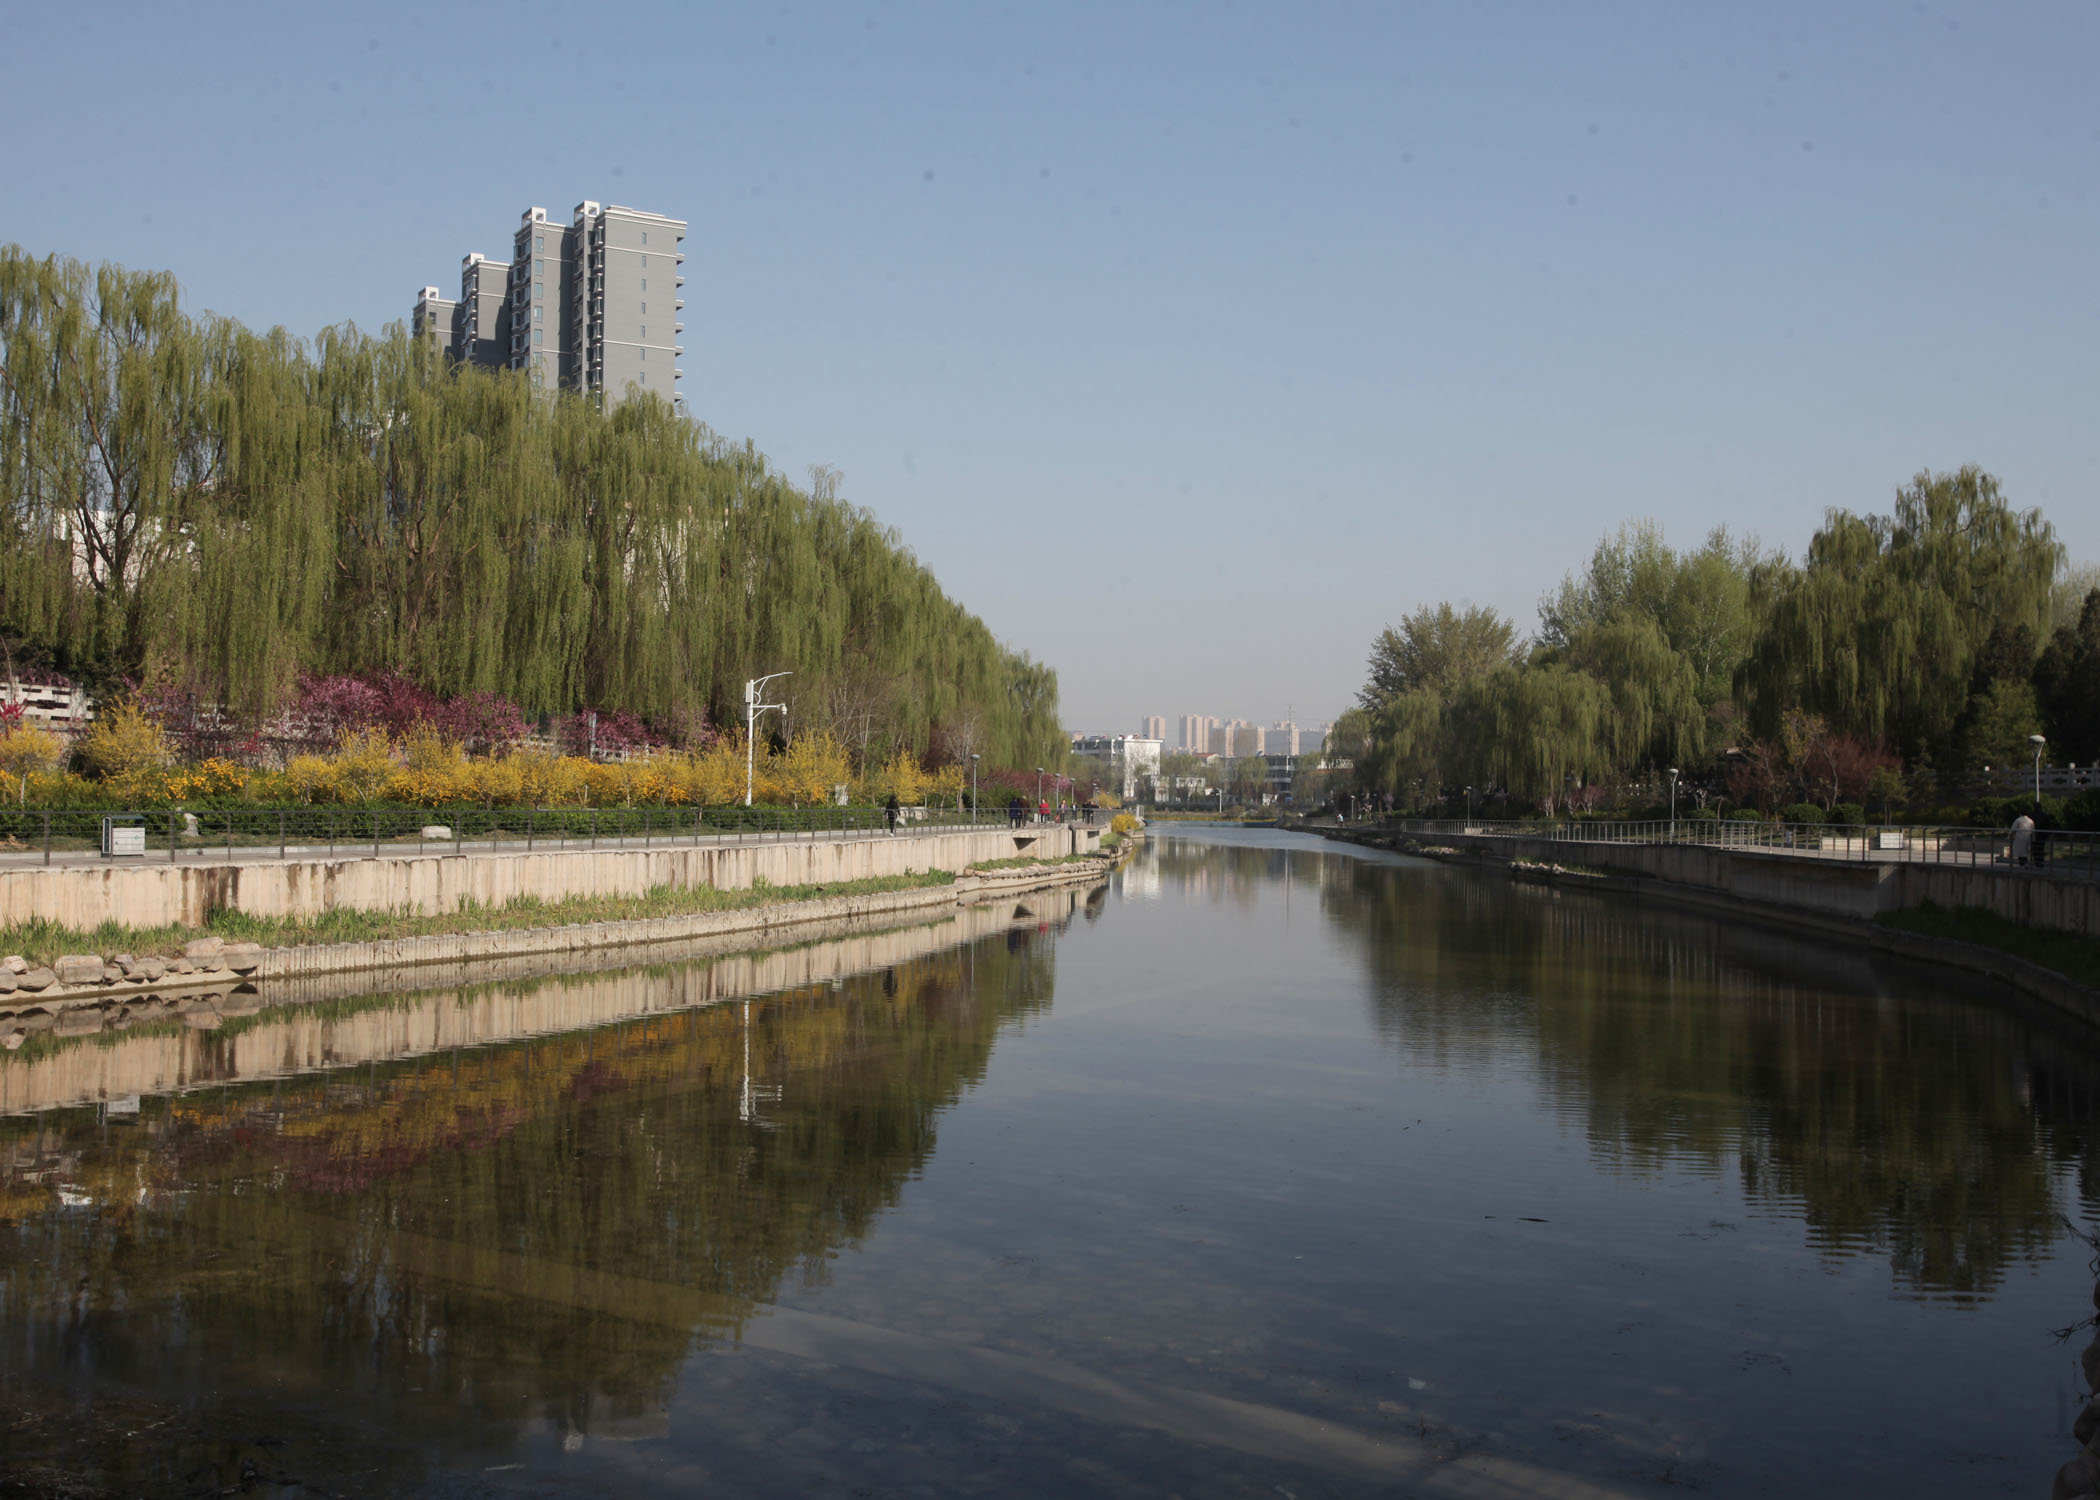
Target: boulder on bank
x=78, y=968
x=203, y=948
x=242, y=958
x=36, y=979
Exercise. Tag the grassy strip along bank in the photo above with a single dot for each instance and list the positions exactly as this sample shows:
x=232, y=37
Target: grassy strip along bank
x=41, y=943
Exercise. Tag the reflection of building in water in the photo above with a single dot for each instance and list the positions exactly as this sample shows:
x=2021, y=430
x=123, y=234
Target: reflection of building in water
x=468, y=1241
x=1140, y=878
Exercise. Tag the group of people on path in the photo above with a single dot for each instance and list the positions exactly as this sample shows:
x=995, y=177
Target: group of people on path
x=1016, y=812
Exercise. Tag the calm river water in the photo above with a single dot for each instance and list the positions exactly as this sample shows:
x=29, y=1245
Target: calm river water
x=1274, y=1168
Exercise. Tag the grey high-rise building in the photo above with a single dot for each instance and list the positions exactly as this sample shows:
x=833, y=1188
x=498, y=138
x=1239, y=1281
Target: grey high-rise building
x=592, y=306
x=483, y=330
x=434, y=320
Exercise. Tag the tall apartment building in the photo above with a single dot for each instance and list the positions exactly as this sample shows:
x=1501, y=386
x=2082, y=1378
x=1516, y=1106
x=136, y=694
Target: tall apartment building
x=1153, y=727
x=573, y=309
x=481, y=336
x=434, y=320
x=1195, y=732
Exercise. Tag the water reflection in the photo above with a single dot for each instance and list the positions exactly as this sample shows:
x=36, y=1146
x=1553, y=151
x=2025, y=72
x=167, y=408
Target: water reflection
x=1888, y=1115
x=485, y=1238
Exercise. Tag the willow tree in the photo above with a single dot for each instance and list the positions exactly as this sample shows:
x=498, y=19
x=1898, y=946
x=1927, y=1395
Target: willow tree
x=1536, y=730
x=1656, y=717
x=217, y=511
x=1880, y=629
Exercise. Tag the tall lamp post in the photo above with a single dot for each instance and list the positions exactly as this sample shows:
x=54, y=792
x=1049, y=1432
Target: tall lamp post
x=1037, y=809
x=1672, y=774
x=2037, y=741
x=753, y=689
x=973, y=786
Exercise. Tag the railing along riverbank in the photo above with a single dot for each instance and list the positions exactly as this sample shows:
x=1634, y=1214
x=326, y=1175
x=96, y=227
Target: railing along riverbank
x=2052, y=852
x=50, y=836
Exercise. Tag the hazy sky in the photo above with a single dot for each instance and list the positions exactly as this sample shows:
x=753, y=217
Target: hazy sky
x=1189, y=344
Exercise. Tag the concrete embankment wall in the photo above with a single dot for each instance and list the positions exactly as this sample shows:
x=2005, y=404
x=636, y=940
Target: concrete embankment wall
x=1856, y=889
x=152, y=894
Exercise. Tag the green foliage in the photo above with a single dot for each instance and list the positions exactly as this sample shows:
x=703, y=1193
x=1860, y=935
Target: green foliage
x=1881, y=631
x=1802, y=812
x=2067, y=685
x=1849, y=814
x=1437, y=651
x=186, y=503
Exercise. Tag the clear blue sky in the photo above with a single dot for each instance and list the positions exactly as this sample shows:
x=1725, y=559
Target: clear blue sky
x=1298, y=316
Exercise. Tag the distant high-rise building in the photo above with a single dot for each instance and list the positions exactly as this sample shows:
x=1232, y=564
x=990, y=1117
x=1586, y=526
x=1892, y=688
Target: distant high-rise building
x=1195, y=732
x=1282, y=739
x=574, y=309
x=433, y=320
x=1153, y=727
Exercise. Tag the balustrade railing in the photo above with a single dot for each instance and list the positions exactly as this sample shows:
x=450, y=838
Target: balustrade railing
x=40, y=835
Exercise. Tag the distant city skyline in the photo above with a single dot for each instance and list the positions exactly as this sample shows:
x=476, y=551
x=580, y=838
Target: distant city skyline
x=1217, y=735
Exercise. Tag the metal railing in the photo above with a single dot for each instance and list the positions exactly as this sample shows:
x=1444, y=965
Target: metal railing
x=2068, y=855
x=40, y=835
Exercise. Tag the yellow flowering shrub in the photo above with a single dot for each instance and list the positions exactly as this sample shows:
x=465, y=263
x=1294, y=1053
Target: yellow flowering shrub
x=27, y=750
x=812, y=766
x=124, y=739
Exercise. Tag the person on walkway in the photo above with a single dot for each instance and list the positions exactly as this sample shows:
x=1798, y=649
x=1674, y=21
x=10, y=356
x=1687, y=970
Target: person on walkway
x=2022, y=839
x=889, y=813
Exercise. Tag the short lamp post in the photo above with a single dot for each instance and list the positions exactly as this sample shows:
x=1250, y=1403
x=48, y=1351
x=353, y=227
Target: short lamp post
x=753, y=691
x=973, y=786
x=2037, y=741
x=1672, y=774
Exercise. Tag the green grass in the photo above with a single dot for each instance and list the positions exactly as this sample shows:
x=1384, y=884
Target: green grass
x=40, y=942
x=2074, y=957
x=1022, y=862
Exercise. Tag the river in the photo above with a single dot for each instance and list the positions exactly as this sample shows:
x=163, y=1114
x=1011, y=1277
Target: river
x=1274, y=1167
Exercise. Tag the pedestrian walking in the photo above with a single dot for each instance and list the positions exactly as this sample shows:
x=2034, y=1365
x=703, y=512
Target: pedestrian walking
x=889, y=814
x=2022, y=839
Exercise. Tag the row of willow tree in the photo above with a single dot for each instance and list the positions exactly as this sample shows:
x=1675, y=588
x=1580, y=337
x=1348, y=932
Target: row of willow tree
x=1901, y=654
x=197, y=508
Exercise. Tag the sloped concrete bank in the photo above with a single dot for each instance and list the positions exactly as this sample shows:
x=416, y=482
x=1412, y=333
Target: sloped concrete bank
x=285, y=1028
x=1829, y=899
x=222, y=971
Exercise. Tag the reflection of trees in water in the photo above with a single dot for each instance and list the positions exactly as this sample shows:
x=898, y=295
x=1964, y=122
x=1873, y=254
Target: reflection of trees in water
x=1894, y=1120
x=534, y=1228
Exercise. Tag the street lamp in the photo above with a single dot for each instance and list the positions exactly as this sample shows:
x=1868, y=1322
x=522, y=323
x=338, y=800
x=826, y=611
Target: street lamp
x=1038, y=789
x=752, y=709
x=2037, y=741
x=1672, y=774
x=973, y=786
